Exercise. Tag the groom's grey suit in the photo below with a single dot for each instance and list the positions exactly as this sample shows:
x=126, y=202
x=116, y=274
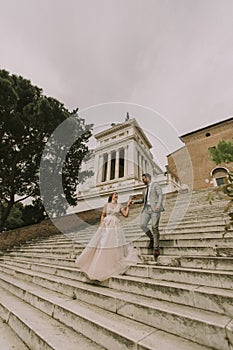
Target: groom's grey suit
x=152, y=208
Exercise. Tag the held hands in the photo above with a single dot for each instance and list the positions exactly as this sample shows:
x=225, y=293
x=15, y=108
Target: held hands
x=157, y=208
x=130, y=201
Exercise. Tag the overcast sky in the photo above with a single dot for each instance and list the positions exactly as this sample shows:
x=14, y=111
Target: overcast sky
x=174, y=57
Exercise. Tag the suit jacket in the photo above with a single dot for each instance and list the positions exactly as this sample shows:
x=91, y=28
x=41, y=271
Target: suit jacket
x=155, y=197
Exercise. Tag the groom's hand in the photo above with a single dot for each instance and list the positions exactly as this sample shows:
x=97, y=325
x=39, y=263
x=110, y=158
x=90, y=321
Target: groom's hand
x=157, y=208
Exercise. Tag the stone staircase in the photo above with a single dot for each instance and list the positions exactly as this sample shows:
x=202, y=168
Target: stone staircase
x=184, y=300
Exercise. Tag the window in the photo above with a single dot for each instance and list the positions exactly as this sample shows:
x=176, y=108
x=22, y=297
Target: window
x=113, y=165
x=105, y=165
x=138, y=161
x=220, y=175
x=121, y=162
x=221, y=181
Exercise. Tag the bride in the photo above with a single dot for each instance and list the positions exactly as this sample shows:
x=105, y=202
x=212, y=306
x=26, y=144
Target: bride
x=107, y=254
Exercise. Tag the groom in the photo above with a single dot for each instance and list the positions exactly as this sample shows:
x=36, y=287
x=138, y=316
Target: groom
x=152, y=208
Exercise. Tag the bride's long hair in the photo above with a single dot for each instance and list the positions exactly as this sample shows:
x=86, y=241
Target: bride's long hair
x=110, y=197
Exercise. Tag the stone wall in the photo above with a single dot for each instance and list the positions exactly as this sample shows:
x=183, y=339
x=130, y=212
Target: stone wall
x=197, y=144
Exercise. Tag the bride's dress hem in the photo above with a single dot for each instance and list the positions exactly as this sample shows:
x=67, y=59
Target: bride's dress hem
x=107, y=254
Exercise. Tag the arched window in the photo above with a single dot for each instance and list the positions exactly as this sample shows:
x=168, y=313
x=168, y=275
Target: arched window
x=113, y=165
x=122, y=162
x=105, y=165
x=220, y=176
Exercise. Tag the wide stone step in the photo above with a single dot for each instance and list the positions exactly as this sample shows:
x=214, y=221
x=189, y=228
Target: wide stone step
x=53, y=249
x=184, y=251
x=215, y=263
x=9, y=339
x=50, y=245
x=188, y=242
x=195, y=206
x=201, y=262
x=202, y=235
x=57, y=254
x=110, y=330
x=51, y=260
x=191, y=230
x=192, y=294
x=210, y=329
x=181, y=227
x=211, y=278
x=214, y=222
x=78, y=241
x=172, y=240
x=197, y=239
x=222, y=278
x=218, y=300
x=193, y=214
x=38, y=330
x=194, y=210
x=187, y=223
x=48, y=301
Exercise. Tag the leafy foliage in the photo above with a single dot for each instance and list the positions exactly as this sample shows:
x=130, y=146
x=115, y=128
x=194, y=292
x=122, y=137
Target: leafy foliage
x=27, y=119
x=223, y=153
x=14, y=219
x=33, y=213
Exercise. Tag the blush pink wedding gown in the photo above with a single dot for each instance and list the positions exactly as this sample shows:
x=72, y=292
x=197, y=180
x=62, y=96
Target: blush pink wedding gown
x=107, y=254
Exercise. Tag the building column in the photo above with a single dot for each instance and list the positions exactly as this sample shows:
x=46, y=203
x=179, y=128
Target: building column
x=126, y=157
x=143, y=165
x=99, y=170
x=140, y=163
x=117, y=164
x=129, y=157
x=109, y=167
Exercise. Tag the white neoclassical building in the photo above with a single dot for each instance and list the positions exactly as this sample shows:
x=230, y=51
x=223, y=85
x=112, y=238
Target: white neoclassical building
x=121, y=156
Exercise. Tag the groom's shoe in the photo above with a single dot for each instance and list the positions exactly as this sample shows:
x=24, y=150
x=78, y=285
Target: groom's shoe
x=156, y=253
x=151, y=244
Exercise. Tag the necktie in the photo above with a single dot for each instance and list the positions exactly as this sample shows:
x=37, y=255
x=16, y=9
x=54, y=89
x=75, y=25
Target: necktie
x=147, y=190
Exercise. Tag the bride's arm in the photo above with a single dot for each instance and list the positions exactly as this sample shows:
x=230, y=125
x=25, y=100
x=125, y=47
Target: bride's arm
x=103, y=216
x=125, y=211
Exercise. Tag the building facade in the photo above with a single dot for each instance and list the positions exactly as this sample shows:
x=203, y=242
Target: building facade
x=121, y=156
x=197, y=144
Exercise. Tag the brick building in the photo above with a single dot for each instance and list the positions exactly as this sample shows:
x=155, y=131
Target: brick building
x=197, y=144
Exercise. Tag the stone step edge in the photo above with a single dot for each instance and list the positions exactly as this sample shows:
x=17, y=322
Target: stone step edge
x=163, y=238
x=115, y=325
x=9, y=339
x=18, y=321
x=221, y=324
x=68, y=281
x=193, y=290
x=147, y=279
x=180, y=257
x=141, y=245
x=175, y=261
x=142, y=265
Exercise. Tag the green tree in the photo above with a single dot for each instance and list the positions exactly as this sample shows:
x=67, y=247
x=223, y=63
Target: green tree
x=33, y=213
x=27, y=119
x=223, y=153
x=14, y=219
